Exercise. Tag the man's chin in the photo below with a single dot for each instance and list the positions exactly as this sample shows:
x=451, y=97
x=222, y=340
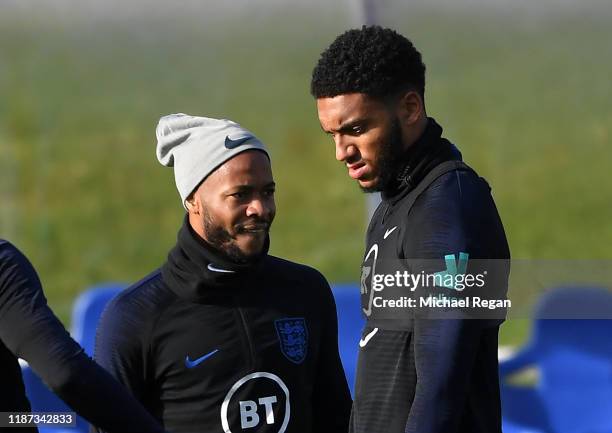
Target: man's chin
x=369, y=186
x=251, y=251
x=241, y=257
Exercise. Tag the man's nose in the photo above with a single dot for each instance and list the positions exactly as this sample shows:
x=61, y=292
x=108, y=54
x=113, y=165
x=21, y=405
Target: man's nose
x=259, y=207
x=344, y=150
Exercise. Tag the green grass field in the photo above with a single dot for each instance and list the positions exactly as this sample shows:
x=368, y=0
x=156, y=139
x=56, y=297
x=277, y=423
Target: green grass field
x=527, y=100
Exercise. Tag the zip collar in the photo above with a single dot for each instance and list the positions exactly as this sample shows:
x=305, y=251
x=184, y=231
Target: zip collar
x=430, y=150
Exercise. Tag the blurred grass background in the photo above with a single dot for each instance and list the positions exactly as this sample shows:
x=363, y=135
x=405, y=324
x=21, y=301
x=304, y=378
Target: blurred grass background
x=525, y=96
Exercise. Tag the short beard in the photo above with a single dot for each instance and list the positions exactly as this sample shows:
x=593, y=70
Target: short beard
x=387, y=159
x=221, y=241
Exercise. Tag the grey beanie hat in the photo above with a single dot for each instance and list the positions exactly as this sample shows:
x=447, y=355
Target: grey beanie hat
x=197, y=146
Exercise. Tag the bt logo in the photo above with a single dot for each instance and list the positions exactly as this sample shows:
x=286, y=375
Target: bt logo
x=257, y=401
x=248, y=411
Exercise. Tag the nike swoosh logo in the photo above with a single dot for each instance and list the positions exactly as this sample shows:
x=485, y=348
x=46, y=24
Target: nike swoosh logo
x=232, y=144
x=191, y=364
x=212, y=267
x=388, y=232
x=364, y=341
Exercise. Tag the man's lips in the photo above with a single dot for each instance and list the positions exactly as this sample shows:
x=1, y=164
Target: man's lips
x=357, y=170
x=254, y=228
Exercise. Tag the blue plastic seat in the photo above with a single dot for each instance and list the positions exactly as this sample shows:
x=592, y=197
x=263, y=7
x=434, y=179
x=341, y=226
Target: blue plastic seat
x=350, y=324
x=571, y=350
x=87, y=311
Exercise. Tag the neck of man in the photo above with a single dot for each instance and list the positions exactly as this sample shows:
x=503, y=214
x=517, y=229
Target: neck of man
x=410, y=137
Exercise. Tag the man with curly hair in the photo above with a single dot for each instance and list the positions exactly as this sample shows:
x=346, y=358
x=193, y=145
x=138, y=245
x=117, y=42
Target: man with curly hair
x=415, y=373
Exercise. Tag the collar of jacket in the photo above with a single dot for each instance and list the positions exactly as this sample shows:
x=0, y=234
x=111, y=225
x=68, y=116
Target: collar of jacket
x=196, y=272
x=427, y=152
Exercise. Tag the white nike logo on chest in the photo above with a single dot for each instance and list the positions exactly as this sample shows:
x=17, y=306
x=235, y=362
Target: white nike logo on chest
x=364, y=341
x=388, y=232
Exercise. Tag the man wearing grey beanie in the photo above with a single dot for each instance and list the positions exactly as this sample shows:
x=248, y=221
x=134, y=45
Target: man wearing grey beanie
x=224, y=337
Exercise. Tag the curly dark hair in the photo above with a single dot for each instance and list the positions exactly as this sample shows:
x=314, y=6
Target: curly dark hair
x=372, y=60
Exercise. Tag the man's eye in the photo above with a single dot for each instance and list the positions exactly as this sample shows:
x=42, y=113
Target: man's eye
x=269, y=192
x=238, y=195
x=358, y=129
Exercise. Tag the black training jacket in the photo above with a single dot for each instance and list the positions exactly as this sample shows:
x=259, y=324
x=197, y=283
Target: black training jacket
x=424, y=375
x=209, y=346
x=30, y=330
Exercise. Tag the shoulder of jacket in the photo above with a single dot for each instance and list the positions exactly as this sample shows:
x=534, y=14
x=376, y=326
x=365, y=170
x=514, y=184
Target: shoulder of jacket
x=285, y=265
x=145, y=297
x=453, y=187
x=10, y=253
x=293, y=271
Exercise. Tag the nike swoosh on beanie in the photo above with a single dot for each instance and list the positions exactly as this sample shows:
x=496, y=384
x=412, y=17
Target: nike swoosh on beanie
x=196, y=146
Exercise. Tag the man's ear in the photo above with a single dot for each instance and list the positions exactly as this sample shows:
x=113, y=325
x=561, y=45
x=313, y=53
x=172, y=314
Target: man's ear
x=193, y=204
x=410, y=108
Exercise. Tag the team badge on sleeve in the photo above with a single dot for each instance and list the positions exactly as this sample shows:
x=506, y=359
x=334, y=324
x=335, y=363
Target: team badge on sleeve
x=293, y=338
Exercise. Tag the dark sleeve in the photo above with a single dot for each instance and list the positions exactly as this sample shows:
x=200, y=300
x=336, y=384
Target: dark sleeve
x=450, y=219
x=332, y=398
x=444, y=350
x=30, y=330
x=121, y=345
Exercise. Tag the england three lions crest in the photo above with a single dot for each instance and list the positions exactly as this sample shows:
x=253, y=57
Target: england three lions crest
x=293, y=338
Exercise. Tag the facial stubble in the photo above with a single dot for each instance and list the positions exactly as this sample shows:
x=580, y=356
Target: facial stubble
x=388, y=157
x=223, y=242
